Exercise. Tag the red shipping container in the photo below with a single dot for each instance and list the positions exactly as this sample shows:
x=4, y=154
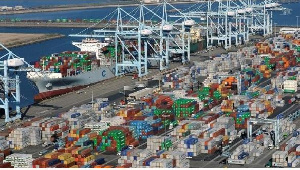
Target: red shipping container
x=6, y=165
x=282, y=147
x=293, y=149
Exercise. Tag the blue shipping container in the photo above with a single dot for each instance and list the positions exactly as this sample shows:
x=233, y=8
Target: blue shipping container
x=100, y=161
x=148, y=161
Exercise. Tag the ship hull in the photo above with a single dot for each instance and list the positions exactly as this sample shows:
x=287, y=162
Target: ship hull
x=51, y=87
x=53, y=93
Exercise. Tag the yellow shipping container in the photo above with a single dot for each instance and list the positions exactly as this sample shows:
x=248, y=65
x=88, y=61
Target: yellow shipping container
x=181, y=130
x=262, y=67
x=74, y=166
x=48, y=155
x=139, y=114
x=225, y=138
x=64, y=156
x=69, y=160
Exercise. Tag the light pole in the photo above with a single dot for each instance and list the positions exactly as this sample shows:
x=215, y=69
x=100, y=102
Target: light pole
x=297, y=20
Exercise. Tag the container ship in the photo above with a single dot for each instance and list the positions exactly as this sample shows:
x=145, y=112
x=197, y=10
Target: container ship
x=69, y=71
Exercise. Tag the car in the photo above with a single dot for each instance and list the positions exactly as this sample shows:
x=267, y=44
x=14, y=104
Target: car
x=224, y=161
x=226, y=154
x=79, y=92
x=43, y=152
x=130, y=146
x=119, y=153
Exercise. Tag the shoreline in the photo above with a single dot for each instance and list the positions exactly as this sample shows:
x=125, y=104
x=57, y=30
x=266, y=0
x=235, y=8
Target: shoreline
x=30, y=39
x=83, y=7
x=42, y=24
x=57, y=8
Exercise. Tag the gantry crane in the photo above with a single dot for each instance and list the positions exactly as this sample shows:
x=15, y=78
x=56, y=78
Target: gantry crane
x=10, y=66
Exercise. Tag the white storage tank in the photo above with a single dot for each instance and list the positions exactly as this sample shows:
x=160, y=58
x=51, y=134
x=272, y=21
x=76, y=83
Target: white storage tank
x=15, y=62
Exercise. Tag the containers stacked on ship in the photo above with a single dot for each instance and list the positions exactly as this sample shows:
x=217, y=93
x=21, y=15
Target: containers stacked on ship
x=68, y=63
x=20, y=160
x=23, y=137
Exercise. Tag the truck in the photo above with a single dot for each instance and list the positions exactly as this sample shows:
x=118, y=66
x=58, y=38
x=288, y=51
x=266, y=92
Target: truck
x=241, y=132
x=277, y=164
x=290, y=86
x=269, y=163
x=236, y=161
x=292, y=100
x=297, y=97
x=231, y=139
x=270, y=146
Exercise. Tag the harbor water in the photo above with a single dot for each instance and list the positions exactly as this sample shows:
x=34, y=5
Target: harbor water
x=39, y=3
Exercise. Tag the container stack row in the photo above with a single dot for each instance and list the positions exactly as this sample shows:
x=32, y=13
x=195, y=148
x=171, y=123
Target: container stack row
x=51, y=126
x=23, y=137
x=20, y=160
